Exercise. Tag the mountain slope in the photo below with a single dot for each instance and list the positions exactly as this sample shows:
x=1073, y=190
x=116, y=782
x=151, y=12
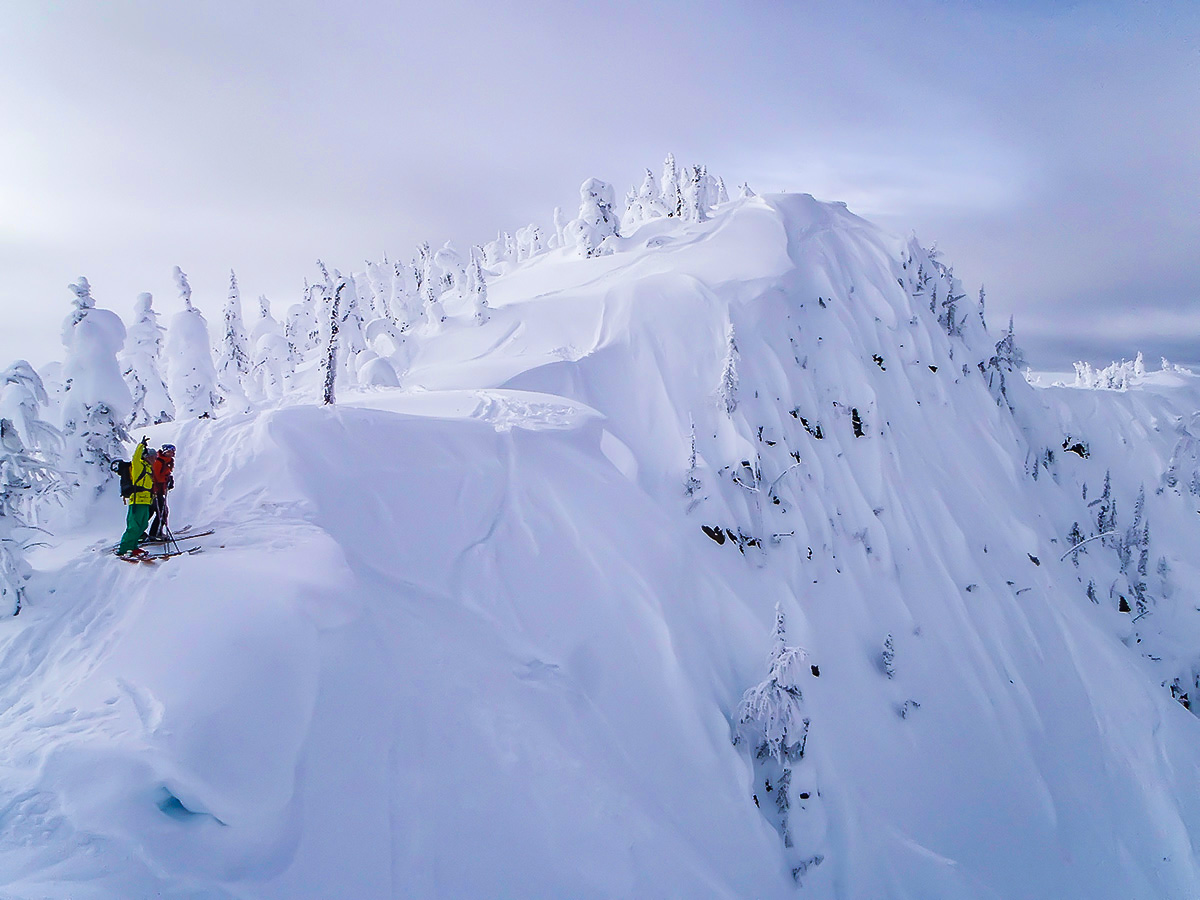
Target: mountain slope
x=470, y=638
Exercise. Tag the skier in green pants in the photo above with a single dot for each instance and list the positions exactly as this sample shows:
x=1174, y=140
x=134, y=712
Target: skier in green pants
x=141, y=474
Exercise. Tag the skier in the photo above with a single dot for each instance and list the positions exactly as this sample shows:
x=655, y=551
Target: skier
x=142, y=476
x=164, y=465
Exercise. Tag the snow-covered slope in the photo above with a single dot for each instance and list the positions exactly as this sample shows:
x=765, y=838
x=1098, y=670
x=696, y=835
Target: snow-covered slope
x=472, y=638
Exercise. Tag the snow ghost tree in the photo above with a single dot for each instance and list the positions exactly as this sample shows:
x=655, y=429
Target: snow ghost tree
x=96, y=400
x=771, y=724
x=695, y=203
x=727, y=389
x=25, y=478
x=233, y=357
x=141, y=365
x=273, y=361
x=597, y=221
x=352, y=333
x=477, y=288
x=671, y=196
x=190, y=370
x=331, y=350
x=23, y=400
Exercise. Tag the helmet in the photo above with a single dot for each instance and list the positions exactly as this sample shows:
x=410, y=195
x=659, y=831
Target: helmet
x=167, y=448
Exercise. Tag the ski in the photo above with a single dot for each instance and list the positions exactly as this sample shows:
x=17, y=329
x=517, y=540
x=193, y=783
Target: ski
x=152, y=558
x=177, y=536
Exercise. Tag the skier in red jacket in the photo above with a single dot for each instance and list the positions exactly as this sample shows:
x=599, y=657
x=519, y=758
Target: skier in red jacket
x=163, y=466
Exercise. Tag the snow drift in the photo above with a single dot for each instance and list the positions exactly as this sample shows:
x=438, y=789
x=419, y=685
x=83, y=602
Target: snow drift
x=486, y=634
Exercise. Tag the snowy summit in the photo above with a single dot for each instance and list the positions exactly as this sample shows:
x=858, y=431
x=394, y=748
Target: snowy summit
x=693, y=546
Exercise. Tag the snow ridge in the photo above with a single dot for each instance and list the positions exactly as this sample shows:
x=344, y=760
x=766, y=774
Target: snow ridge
x=497, y=631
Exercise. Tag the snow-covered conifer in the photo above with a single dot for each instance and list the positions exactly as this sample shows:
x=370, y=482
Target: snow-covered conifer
x=670, y=194
x=771, y=722
x=25, y=478
x=728, y=388
x=597, y=221
x=190, y=370
x=273, y=356
x=24, y=402
x=559, y=222
x=352, y=334
x=331, y=351
x=692, y=484
x=431, y=287
x=96, y=402
x=233, y=356
x=141, y=364
x=745, y=193
x=722, y=193
x=401, y=311
x=693, y=209
x=478, y=292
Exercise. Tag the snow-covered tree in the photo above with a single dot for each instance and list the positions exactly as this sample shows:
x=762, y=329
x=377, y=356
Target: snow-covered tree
x=722, y=193
x=25, y=402
x=25, y=478
x=477, y=289
x=644, y=203
x=331, y=352
x=1007, y=359
x=728, y=388
x=401, y=302
x=430, y=287
x=596, y=221
x=190, y=370
x=233, y=356
x=745, y=193
x=141, y=364
x=96, y=400
x=274, y=360
x=771, y=723
x=559, y=221
x=670, y=194
x=352, y=328
x=694, y=207
x=692, y=485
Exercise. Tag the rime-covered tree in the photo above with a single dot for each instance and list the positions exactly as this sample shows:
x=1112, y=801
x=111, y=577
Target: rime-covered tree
x=25, y=402
x=331, y=351
x=559, y=223
x=25, y=478
x=1007, y=359
x=722, y=193
x=597, y=220
x=694, y=201
x=273, y=362
x=727, y=390
x=772, y=725
x=644, y=204
x=670, y=194
x=96, y=400
x=233, y=357
x=141, y=364
x=401, y=303
x=352, y=328
x=190, y=370
x=477, y=291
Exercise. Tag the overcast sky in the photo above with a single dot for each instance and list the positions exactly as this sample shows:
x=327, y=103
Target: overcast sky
x=1052, y=150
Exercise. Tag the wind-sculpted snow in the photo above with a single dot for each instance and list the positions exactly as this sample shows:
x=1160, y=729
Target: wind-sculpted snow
x=487, y=634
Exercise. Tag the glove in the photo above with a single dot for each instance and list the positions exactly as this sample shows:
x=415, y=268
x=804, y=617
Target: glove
x=171, y=483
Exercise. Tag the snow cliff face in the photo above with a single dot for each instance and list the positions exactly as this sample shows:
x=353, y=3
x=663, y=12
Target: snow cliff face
x=486, y=635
